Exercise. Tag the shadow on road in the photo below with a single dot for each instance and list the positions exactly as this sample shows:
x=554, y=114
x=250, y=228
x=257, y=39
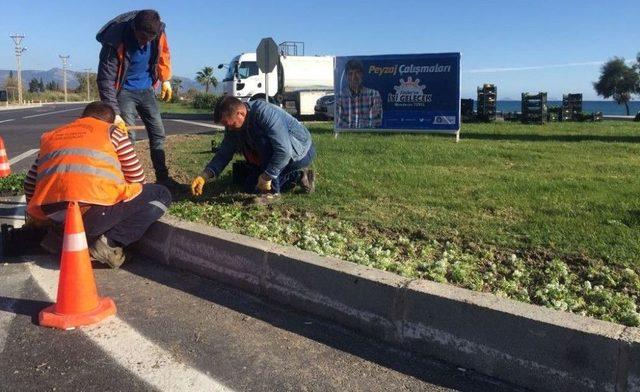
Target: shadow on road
x=322, y=331
x=26, y=307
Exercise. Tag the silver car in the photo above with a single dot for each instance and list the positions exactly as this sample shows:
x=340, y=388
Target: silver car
x=325, y=106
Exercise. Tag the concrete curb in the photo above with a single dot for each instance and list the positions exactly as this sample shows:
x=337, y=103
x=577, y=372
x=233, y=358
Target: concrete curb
x=527, y=345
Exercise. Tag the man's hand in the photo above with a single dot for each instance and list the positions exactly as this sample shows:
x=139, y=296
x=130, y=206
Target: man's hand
x=120, y=124
x=197, y=185
x=264, y=182
x=166, y=92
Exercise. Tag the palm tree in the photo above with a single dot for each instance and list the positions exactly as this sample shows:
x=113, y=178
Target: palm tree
x=206, y=78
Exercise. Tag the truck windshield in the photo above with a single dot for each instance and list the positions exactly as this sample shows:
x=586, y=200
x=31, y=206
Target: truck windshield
x=233, y=68
x=247, y=68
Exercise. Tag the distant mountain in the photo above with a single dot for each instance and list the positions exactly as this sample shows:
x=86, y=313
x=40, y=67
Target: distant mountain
x=55, y=74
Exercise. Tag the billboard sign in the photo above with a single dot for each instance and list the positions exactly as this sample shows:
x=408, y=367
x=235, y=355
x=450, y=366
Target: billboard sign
x=405, y=93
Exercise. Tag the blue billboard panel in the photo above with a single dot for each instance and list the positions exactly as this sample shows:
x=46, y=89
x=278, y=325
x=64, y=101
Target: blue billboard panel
x=412, y=92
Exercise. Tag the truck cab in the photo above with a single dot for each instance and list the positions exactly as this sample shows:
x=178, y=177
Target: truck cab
x=295, y=84
x=245, y=81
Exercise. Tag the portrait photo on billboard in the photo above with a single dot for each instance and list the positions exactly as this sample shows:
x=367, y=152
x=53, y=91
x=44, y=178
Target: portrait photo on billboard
x=410, y=92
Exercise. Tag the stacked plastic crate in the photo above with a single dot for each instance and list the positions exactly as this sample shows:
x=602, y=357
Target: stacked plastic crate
x=487, y=101
x=534, y=108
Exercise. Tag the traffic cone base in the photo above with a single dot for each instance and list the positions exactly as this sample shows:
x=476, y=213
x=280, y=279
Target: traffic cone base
x=50, y=318
x=78, y=302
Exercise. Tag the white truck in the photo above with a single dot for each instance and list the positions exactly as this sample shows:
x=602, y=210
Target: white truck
x=296, y=83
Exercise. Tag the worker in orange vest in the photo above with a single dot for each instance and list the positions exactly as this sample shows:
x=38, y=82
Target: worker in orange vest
x=92, y=162
x=134, y=59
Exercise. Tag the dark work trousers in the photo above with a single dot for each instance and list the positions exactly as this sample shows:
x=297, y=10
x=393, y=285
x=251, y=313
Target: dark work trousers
x=288, y=178
x=126, y=222
x=144, y=103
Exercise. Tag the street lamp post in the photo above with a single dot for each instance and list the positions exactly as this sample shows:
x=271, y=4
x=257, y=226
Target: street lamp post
x=19, y=49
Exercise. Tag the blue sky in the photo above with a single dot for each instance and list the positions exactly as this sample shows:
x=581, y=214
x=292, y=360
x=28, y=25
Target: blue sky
x=554, y=46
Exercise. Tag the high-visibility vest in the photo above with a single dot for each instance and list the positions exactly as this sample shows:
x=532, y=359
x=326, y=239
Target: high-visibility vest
x=78, y=162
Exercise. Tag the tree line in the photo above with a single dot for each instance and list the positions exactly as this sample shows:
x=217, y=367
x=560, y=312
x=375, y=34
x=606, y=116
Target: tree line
x=37, y=85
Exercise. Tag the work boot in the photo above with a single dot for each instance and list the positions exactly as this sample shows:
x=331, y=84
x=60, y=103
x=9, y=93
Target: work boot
x=158, y=161
x=107, y=252
x=308, y=180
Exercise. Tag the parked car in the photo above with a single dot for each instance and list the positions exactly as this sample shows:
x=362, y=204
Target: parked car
x=325, y=106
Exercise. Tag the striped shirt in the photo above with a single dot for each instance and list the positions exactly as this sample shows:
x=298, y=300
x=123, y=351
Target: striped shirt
x=131, y=167
x=362, y=110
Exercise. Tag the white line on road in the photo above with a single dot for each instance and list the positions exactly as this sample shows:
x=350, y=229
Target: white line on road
x=4, y=121
x=55, y=112
x=133, y=351
x=207, y=125
x=22, y=156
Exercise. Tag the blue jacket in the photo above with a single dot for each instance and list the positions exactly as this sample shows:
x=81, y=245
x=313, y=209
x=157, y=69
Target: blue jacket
x=274, y=134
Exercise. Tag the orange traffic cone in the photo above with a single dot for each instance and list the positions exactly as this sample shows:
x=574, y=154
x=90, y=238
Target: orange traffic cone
x=78, y=302
x=5, y=169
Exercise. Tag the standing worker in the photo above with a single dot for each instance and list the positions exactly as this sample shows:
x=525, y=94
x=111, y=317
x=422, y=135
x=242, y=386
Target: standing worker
x=135, y=58
x=278, y=149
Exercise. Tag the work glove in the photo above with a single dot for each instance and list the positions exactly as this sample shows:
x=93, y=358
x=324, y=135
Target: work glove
x=120, y=124
x=197, y=184
x=166, y=91
x=264, y=182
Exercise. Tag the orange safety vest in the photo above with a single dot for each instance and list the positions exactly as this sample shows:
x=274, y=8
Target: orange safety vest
x=78, y=162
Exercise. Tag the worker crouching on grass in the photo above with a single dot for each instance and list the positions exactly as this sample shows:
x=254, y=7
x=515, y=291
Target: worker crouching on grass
x=92, y=162
x=278, y=149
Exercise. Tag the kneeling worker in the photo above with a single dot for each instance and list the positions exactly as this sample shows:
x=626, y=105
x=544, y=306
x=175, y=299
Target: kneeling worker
x=92, y=162
x=278, y=149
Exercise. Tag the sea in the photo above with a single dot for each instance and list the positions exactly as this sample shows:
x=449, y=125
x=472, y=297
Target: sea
x=606, y=107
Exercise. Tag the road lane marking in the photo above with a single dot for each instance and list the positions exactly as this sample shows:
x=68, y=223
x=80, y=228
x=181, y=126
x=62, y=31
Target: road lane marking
x=22, y=156
x=130, y=349
x=55, y=112
x=207, y=125
x=4, y=121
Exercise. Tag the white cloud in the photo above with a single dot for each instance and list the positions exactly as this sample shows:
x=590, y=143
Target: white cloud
x=533, y=67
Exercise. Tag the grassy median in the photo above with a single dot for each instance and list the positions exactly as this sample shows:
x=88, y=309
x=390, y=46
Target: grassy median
x=541, y=214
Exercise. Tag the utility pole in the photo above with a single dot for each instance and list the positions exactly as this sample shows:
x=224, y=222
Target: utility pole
x=65, y=62
x=17, y=40
x=88, y=73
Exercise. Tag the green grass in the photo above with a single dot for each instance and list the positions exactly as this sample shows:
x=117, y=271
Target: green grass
x=180, y=108
x=542, y=214
x=12, y=185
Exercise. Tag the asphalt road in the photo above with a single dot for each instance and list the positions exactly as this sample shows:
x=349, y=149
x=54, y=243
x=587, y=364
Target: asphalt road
x=21, y=129
x=176, y=331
